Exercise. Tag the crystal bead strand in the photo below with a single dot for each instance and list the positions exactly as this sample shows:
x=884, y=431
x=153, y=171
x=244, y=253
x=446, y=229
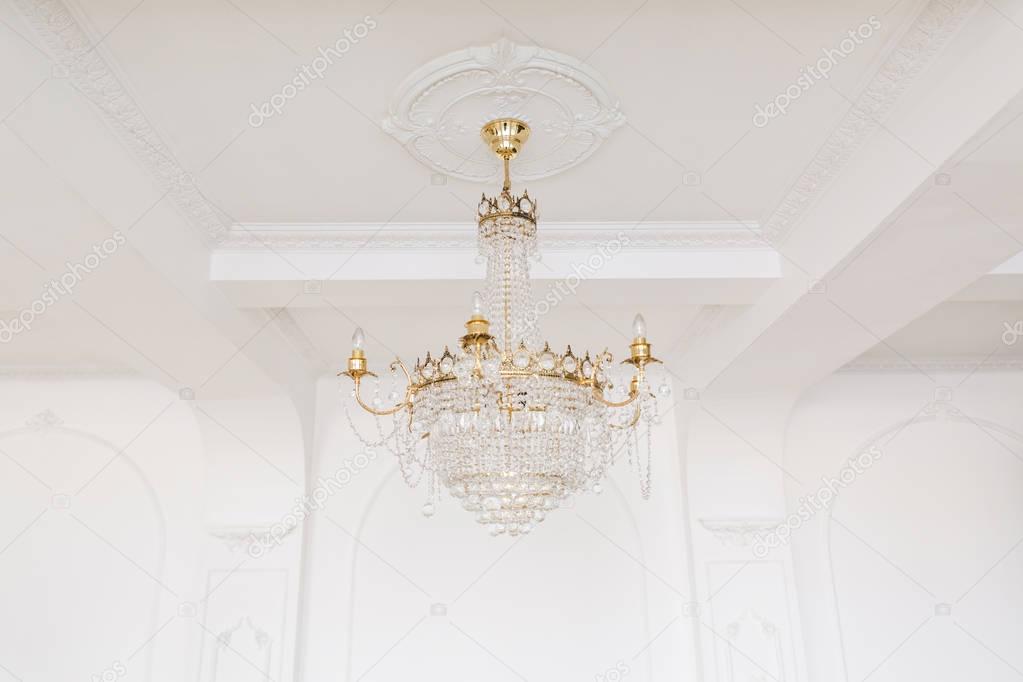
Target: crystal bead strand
x=365, y=441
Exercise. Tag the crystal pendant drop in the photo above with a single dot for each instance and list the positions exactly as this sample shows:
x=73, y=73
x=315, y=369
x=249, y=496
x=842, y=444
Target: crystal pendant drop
x=510, y=428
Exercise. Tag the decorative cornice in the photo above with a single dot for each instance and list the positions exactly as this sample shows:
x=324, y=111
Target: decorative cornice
x=78, y=57
x=552, y=236
x=438, y=110
x=928, y=35
x=739, y=532
x=259, y=636
x=44, y=421
x=946, y=364
x=237, y=538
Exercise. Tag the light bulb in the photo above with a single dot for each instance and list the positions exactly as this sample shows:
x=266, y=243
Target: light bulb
x=477, y=304
x=358, y=339
x=639, y=327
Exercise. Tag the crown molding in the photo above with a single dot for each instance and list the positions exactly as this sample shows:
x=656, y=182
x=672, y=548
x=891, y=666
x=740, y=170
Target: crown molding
x=552, y=236
x=83, y=63
x=437, y=111
x=915, y=50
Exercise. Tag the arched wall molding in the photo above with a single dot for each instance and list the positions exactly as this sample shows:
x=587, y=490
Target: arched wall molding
x=768, y=630
x=623, y=504
x=265, y=634
x=67, y=400
x=370, y=507
x=723, y=539
x=682, y=429
x=228, y=429
x=47, y=422
x=935, y=412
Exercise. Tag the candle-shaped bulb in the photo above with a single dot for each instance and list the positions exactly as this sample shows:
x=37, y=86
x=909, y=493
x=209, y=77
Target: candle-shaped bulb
x=477, y=304
x=639, y=327
x=358, y=339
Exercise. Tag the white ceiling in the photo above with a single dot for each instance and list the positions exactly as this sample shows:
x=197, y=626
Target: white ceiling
x=956, y=330
x=687, y=77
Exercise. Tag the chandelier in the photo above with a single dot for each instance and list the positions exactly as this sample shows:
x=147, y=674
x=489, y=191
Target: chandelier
x=509, y=427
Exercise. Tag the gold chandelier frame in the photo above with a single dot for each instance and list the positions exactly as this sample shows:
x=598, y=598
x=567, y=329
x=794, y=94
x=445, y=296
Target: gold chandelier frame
x=505, y=137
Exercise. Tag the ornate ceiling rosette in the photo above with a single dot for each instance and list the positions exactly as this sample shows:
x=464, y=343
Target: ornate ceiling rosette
x=436, y=110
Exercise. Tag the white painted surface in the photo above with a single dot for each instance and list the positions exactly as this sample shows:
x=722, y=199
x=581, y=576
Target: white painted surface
x=928, y=537
x=898, y=267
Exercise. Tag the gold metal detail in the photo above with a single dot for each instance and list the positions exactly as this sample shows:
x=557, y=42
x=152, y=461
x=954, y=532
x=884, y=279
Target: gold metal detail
x=639, y=353
x=506, y=205
x=477, y=334
x=357, y=365
x=405, y=404
x=556, y=404
x=505, y=136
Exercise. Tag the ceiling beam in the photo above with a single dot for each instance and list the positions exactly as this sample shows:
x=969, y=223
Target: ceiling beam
x=700, y=263
x=907, y=222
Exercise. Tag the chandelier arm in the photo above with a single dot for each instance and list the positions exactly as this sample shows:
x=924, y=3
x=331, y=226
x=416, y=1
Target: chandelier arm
x=381, y=413
x=633, y=394
x=409, y=389
x=408, y=377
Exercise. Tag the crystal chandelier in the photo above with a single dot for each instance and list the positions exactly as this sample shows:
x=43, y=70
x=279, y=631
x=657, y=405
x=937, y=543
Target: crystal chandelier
x=509, y=427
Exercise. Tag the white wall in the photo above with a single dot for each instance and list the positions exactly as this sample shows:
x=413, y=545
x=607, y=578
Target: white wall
x=395, y=595
x=127, y=544
x=127, y=513
x=913, y=571
x=101, y=528
x=745, y=608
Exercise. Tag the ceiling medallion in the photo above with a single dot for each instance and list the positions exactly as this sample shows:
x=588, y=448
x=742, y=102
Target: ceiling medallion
x=436, y=108
x=509, y=427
